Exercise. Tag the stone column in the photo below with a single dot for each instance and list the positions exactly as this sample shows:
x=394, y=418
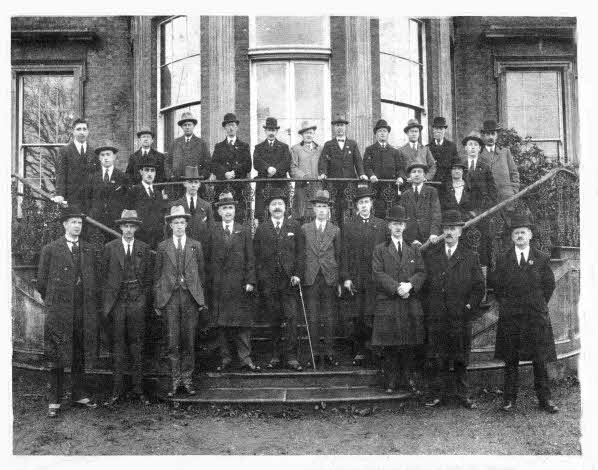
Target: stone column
x=141, y=32
x=221, y=77
x=359, y=79
x=441, y=69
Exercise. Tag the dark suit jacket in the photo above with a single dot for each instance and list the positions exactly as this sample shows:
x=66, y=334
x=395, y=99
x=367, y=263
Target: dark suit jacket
x=165, y=273
x=444, y=155
x=504, y=170
x=198, y=225
x=421, y=155
x=384, y=163
x=105, y=202
x=424, y=215
x=151, y=212
x=72, y=172
x=195, y=153
x=153, y=156
x=236, y=158
x=322, y=253
x=448, y=201
x=285, y=250
x=337, y=163
x=482, y=186
x=277, y=156
x=113, y=270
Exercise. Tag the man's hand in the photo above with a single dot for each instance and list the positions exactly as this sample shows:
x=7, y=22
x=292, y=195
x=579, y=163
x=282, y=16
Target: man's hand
x=363, y=177
x=158, y=312
x=322, y=176
x=60, y=200
x=348, y=284
x=416, y=244
x=404, y=288
x=399, y=181
x=271, y=171
x=295, y=281
x=212, y=177
x=229, y=175
x=248, y=288
x=433, y=239
x=373, y=179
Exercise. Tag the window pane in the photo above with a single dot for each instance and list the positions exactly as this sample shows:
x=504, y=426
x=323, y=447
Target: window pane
x=399, y=80
x=397, y=117
x=166, y=43
x=309, y=94
x=172, y=130
x=193, y=32
x=272, y=91
x=179, y=38
x=414, y=41
x=40, y=166
x=394, y=36
x=181, y=82
x=285, y=30
x=48, y=108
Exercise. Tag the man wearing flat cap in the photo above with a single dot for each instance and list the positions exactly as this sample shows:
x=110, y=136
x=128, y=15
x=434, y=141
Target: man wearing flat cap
x=414, y=152
x=272, y=159
x=145, y=154
x=523, y=283
x=231, y=160
x=443, y=150
x=188, y=150
x=455, y=287
x=127, y=269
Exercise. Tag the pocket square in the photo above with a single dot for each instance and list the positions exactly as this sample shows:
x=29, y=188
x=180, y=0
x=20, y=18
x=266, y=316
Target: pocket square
x=290, y=234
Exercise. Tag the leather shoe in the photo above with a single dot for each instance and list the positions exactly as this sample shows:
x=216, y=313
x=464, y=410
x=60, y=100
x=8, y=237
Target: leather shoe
x=53, y=410
x=507, y=406
x=251, y=367
x=189, y=389
x=113, y=400
x=294, y=365
x=467, y=403
x=549, y=406
x=143, y=399
x=330, y=360
x=85, y=403
x=173, y=391
x=273, y=364
x=224, y=365
x=435, y=402
x=413, y=388
x=358, y=360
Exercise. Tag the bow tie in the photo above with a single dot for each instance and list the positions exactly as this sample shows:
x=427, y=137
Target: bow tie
x=341, y=140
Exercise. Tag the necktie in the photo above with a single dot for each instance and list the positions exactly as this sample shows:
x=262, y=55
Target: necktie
x=129, y=250
x=521, y=260
x=106, y=178
x=278, y=228
x=271, y=143
x=179, y=245
x=383, y=146
x=228, y=230
x=365, y=221
x=144, y=153
x=322, y=228
x=151, y=192
x=230, y=142
x=413, y=147
x=472, y=165
x=449, y=252
x=192, y=205
x=75, y=248
x=187, y=140
x=416, y=192
x=82, y=151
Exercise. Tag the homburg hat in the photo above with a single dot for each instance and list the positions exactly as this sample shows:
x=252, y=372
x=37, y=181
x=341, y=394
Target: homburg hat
x=460, y=162
x=187, y=117
x=226, y=199
x=228, y=118
x=128, y=216
x=473, y=135
x=490, y=125
x=397, y=214
x=177, y=212
x=439, y=121
x=306, y=126
x=106, y=147
x=521, y=220
x=322, y=196
x=191, y=173
x=411, y=124
x=417, y=165
x=339, y=118
x=146, y=131
x=363, y=191
x=275, y=193
x=452, y=218
x=151, y=163
x=271, y=123
x=69, y=212
x=381, y=124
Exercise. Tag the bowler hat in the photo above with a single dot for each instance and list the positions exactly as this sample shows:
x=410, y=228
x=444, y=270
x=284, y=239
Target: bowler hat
x=191, y=173
x=521, y=220
x=363, y=191
x=339, y=118
x=187, y=117
x=275, y=193
x=147, y=163
x=490, y=125
x=72, y=210
x=128, y=216
x=322, y=196
x=176, y=212
x=397, y=214
x=271, y=123
x=473, y=135
x=380, y=124
x=146, y=131
x=106, y=147
x=411, y=124
x=306, y=126
x=439, y=121
x=226, y=199
x=416, y=165
x=452, y=218
x=460, y=162
x=228, y=118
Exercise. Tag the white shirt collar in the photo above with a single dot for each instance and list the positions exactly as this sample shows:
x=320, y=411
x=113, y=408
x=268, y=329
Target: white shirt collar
x=229, y=224
x=126, y=243
x=145, y=151
x=231, y=140
x=439, y=143
x=79, y=145
x=525, y=252
x=453, y=248
x=320, y=224
x=275, y=221
x=70, y=240
x=396, y=241
x=189, y=199
x=147, y=186
x=110, y=170
x=413, y=145
x=183, y=240
x=418, y=186
x=490, y=148
x=187, y=139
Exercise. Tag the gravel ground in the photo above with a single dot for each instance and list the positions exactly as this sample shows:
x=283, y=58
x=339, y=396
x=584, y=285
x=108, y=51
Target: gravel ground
x=410, y=428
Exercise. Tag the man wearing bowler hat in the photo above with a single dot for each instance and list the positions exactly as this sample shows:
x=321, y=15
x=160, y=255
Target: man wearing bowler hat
x=188, y=150
x=67, y=283
x=322, y=260
x=146, y=153
x=272, y=159
x=127, y=281
x=523, y=283
x=341, y=158
x=455, y=290
x=359, y=237
x=231, y=160
x=443, y=150
x=414, y=152
x=280, y=263
x=382, y=160
x=179, y=280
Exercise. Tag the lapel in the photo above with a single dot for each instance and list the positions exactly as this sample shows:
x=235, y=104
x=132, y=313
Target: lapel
x=120, y=253
x=170, y=251
x=66, y=253
x=455, y=257
x=391, y=249
x=188, y=253
x=327, y=238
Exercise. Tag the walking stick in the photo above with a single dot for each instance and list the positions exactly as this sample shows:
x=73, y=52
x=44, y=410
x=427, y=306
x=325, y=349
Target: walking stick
x=311, y=349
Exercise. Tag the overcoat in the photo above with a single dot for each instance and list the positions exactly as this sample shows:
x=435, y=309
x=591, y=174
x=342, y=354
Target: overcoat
x=277, y=156
x=194, y=153
x=523, y=293
x=448, y=200
x=322, y=253
x=451, y=285
x=151, y=212
x=424, y=214
x=113, y=262
x=72, y=173
x=483, y=192
x=235, y=158
x=199, y=223
x=304, y=164
x=337, y=163
x=397, y=321
x=136, y=160
x=106, y=201
x=504, y=170
x=56, y=284
x=385, y=163
x=230, y=266
x=444, y=155
x=421, y=155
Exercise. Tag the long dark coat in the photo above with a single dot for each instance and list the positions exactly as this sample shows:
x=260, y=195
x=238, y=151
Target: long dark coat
x=451, y=285
x=72, y=173
x=106, y=201
x=424, y=214
x=151, y=212
x=136, y=160
x=444, y=155
x=235, y=157
x=182, y=154
x=397, y=321
x=230, y=267
x=482, y=186
x=199, y=223
x=337, y=163
x=383, y=162
x=524, y=327
x=56, y=284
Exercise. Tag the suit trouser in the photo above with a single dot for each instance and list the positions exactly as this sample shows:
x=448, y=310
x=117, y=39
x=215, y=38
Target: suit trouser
x=128, y=322
x=281, y=303
x=397, y=363
x=364, y=302
x=242, y=338
x=319, y=298
x=439, y=378
x=182, y=314
x=541, y=384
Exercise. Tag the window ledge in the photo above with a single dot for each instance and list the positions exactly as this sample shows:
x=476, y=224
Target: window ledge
x=555, y=32
x=57, y=35
x=286, y=52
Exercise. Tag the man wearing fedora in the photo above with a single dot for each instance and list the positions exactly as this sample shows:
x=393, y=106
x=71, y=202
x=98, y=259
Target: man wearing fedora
x=359, y=237
x=442, y=149
x=231, y=281
x=127, y=281
x=200, y=209
x=382, y=160
x=398, y=328
x=414, y=152
x=66, y=281
x=523, y=283
x=188, y=150
x=455, y=287
x=304, y=164
x=106, y=193
x=150, y=204
x=322, y=260
x=272, y=159
x=146, y=153
x=179, y=280
x=75, y=162
x=232, y=160
x=340, y=158
x=280, y=263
